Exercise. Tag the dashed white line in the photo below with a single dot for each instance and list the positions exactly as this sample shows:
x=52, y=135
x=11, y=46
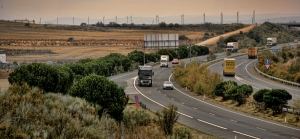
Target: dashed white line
x=165, y=94
x=245, y=135
x=294, y=138
x=233, y=111
x=182, y=103
x=194, y=108
x=261, y=128
x=212, y=124
x=172, y=98
x=212, y=114
x=155, y=101
x=233, y=120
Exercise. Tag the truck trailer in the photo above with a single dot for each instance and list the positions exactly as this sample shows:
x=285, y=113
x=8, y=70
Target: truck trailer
x=145, y=74
x=272, y=41
x=252, y=52
x=229, y=67
x=164, y=60
x=232, y=47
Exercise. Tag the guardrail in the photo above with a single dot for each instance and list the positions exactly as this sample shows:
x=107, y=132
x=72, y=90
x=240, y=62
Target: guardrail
x=220, y=59
x=276, y=79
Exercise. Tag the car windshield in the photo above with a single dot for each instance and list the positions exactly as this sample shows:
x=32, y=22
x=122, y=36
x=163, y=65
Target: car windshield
x=167, y=82
x=163, y=61
x=269, y=40
x=145, y=73
x=229, y=46
x=175, y=60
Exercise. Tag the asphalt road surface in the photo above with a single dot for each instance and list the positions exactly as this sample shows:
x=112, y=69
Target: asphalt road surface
x=206, y=116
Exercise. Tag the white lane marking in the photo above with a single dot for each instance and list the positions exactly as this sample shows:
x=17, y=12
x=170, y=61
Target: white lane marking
x=182, y=103
x=240, y=64
x=261, y=128
x=233, y=111
x=194, y=108
x=165, y=94
x=128, y=74
x=212, y=124
x=265, y=81
x=245, y=135
x=240, y=79
x=294, y=138
x=172, y=98
x=155, y=101
x=233, y=120
x=212, y=114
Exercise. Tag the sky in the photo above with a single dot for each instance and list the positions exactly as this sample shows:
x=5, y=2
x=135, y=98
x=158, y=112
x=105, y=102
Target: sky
x=50, y=10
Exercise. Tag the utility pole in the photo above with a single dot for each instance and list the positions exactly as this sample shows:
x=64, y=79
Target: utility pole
x=183, y=19
x=237, y=17
x=204, y=18
x=221, y=17
x=88, y=20
x=127, y=20
x=131, y=19
x=73, y=20
x=116, y=20
x=254, y=17
x=190, y=52
x=40, y=20
x=103, y=19
x=57, y=21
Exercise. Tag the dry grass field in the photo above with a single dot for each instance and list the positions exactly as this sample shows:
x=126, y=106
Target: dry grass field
x=17, y=31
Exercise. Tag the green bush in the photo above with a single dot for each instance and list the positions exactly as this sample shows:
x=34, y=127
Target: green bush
x=48, y=78
x=101, y=91
x=276, y=99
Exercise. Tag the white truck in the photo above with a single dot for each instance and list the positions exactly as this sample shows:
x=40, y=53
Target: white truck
x=232, y=47
x=164, y=60
x=272, y=41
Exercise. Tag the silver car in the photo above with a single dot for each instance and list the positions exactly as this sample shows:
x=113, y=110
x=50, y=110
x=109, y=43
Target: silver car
x=168, y=85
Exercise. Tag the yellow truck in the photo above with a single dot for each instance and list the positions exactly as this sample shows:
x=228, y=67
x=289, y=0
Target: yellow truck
x=229, y=66
x=252, y=52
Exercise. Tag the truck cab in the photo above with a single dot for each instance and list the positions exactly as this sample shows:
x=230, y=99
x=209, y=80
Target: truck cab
x=272, y=41
x=145, y=75
x=164, y=60
x=232, y=47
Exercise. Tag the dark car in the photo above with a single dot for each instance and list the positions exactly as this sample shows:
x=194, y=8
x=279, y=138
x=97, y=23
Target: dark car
x=175, y=61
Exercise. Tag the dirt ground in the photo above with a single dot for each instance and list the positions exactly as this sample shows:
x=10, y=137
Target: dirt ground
x=3, y=84
x=215, y=39
x=73, y=53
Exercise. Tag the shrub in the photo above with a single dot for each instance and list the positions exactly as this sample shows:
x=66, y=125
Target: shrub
x=99, y=90
x=48, y=78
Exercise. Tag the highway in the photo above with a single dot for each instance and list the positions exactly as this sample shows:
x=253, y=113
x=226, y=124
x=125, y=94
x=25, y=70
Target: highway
x=206, y=116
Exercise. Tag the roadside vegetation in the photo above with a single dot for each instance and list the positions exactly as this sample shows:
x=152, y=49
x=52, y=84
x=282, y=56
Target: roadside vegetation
x=284, y=64
x=80, y=102
x=29, y=112
x=196, y=78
